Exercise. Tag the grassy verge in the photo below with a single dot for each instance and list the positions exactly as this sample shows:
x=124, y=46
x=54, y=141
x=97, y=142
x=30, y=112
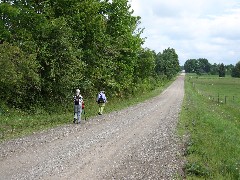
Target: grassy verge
x=16, y=123
x=213, y=127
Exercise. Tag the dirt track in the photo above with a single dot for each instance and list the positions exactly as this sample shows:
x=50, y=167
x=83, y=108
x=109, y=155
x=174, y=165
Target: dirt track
x=139, y=142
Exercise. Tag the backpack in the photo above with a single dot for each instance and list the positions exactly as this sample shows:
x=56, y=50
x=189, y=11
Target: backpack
x=77, y=100
x=100, y=99
x=83, y=105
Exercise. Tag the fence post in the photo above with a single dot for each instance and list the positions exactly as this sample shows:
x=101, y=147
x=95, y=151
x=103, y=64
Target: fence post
x=233, y=98
x=225, y=99
x=218, y=97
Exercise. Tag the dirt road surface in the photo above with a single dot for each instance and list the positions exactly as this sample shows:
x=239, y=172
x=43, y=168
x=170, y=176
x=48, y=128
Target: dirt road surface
x=139, y=142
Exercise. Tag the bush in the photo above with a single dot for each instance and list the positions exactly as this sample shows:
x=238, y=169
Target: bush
x=19, y=79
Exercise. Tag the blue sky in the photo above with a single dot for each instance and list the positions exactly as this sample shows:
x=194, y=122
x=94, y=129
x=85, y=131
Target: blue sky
x=194, y=28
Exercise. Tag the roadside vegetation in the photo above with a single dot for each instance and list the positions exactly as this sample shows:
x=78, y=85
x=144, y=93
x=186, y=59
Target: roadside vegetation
x=16, y=123
x=212, y=127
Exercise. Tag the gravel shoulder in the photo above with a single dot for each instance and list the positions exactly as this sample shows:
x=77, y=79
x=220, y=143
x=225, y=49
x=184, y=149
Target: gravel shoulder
x=138, y=142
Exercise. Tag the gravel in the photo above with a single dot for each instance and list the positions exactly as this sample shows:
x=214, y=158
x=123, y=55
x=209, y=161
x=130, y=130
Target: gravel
x=138, y=142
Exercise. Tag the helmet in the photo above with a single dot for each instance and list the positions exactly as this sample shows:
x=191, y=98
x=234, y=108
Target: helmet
x=77, y=91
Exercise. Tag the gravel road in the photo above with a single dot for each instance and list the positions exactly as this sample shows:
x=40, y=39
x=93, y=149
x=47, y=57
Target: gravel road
x=138, y=142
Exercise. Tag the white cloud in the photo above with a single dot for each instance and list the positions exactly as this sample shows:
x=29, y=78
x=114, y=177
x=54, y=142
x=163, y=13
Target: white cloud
x=195, y=29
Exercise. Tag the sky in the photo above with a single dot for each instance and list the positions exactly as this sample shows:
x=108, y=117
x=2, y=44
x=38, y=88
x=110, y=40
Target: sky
x=194, y=28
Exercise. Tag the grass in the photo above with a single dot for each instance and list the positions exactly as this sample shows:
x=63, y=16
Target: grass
x=213, y=147
x=215, y=87
x=14, y=123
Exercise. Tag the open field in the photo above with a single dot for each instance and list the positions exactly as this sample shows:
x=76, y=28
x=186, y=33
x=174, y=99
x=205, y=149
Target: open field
x=222, y=90
x=212, y=126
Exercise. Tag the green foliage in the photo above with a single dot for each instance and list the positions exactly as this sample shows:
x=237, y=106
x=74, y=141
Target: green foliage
x=202, y=66
x=198, y=66
x=64, y=45
x=145, y=65
x=221, y=70
x=190, y=66
x=167, y=63
x=228, y=69
x=236, y=70
x=195, y=169
x=215, y=69
x=213, y=128
x=20, y=81
x=15, y=123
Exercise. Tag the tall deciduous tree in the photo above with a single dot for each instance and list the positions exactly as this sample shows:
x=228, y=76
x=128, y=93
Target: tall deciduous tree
x=19, y=78
x=198, y=66
x=121, y=26
x=145, y=65
x=167, y=63
x=222, y=70
x=236, y=70
x=204, y=65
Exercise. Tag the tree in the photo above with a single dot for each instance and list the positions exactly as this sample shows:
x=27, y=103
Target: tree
x=191, y=66
x=125, y=42
x=63, y=45
x=198, y=66
x=222, y=70
x=167, y=63
x=229, y=69
x=214, y=69
x=77, y=44
x=145, y=65
x=236, y=70
x=204, y=65
x=19, y=78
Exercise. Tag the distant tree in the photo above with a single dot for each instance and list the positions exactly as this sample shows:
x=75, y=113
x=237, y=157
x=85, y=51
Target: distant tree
x=214, y=69
x=236, y=70
x=167, y=63
x=221, y=70
x=204, y=65
x=229, y=69
x=191, y=66
x=201, y=66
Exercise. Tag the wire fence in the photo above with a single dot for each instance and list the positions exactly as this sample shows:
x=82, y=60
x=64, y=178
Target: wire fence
x=228, y=99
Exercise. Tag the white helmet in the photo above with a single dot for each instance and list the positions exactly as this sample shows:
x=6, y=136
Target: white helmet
x=77, y=91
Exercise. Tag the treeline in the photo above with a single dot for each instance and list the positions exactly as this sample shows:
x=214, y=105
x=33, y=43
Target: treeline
x=202, y=66
x=50, y=48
